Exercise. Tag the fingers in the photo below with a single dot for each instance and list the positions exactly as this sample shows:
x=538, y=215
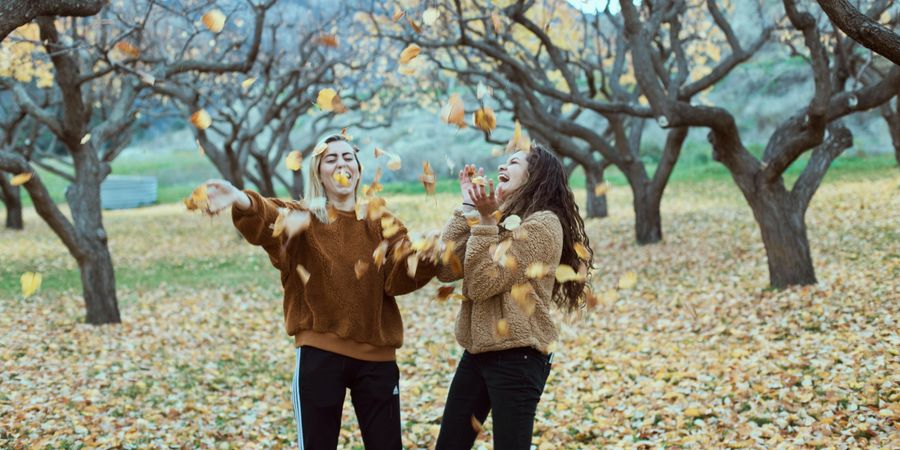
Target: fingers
x=491, y=183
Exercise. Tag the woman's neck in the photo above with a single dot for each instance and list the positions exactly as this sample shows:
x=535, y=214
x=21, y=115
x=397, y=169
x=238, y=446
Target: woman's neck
x=343, y=203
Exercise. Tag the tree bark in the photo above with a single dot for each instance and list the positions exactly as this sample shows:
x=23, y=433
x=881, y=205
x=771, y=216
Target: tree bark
x=12, y=200
x=784, y=237
x=596, y=206
x=297, y=185
x=863, y=29
x=892, y=118
x=15, y=13
x=647, y=219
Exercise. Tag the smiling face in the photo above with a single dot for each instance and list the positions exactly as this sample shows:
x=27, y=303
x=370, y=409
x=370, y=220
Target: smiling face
x=513, y=174
x=339, y=170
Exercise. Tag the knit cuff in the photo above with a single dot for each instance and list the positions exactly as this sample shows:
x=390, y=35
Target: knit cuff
x=485, y=230
x=255, y=202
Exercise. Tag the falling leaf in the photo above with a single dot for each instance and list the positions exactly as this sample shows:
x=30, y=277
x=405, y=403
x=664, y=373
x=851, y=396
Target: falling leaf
x=502, y=328
x=245, y=85
x=21, y=178
x=451, y=166
x=495, y=19
x=628, y=280
x=497, y=151
x=589, y=298
x=346, y=135
x=128, y=49
x=294, y=160
x=476, y=425
x=398, y=14
x=320, y=148
x=500, y=251
x=325, y=99
x=600, y=189
x=582, y=251
x=214, y=20
x=337, y=105
x=278, y=226
x=430, y=16
x=518, y=142
x=394, y=163
x=453, y=112
x=201, y=119
x=693, y=412
x=444, y=292
x=484, y=119
x=427, y=178
x=537, y=270
x=565, y=273
x=409, y=53
x=86, y=139
x=327, y=40
x=414, y=25
x=522, y=295
x=379, y=152
x=304, y=274
x=379, y=254
x=31, y=282
x=479, y=180
x=360, y=268
x=511, y=222
x=412, y=262
x=341, y=178
x=198, y=199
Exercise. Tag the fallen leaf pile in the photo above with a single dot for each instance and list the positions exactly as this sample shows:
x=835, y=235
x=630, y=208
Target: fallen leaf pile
x=685, y=346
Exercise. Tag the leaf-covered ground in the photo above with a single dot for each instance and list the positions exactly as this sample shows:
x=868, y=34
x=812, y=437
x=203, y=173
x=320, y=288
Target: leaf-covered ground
x=697, y=355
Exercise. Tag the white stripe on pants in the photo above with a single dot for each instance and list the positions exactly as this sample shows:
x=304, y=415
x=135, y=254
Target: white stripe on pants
x=295, y=400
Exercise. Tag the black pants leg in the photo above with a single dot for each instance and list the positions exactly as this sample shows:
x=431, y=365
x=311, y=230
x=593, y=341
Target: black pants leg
x=375, y=392
x=318, y=398
x=467, y=398
x=510, y=383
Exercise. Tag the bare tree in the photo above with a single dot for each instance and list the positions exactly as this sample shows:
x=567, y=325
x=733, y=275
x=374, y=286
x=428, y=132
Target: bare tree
x=84, y=65
x=15, y=13
x=815, y=128
x=864, y=28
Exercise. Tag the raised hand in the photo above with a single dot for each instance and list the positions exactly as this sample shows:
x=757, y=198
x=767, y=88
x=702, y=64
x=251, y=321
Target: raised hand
x=222, y=194
x=465, y=180
x=485, y=202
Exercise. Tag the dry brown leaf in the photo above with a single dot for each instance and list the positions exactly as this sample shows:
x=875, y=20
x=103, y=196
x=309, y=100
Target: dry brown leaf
x=360, y=268
x=304, y=274
x=454, y=112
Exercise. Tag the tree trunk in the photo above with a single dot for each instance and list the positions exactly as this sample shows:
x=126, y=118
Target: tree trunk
x=98, y=278
x=596, y=204
x=783, y=230
x=647, y=219
x=297, y=184
x=266, y=178
x=12, y=200
x=892, y=118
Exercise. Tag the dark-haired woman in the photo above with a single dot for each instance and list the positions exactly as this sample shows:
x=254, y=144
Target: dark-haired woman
x=504, y=324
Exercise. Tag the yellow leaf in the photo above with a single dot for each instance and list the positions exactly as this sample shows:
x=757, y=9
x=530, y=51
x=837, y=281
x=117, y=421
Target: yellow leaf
x=600, y=189
x=394, y=163
x=337, y=105
x=294, y=160
x=476, y=425
x=379, y=254
x=521, y=294
x=304, y=274
x=31, y=281
x=518, y=142
x=409, y=53
x=86, y=138
x=479, y=180
x=214, y=20
x=320, y=148
x=428, y=178
x=360, y=268
x=21, y=178
x=247, y=83
x=379, y=152
x=582, y=251
x=693, y=412
x=502, y=328
x=430, y=16
x=500, y=252
x=565, y=273
x=341, y=179
x=398, y=13
x=412, y=262
x=128, y=49
x=628, y=280
x=537, y=270
x=495, y=19
x=454, y=112
x=201, y=119
x=325, y=99
x=497, y=151
x=278, y=226
x=484, y=119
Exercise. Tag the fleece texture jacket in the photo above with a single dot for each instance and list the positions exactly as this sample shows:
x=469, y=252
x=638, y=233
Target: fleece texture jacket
x=487, y=285
x=334, y=310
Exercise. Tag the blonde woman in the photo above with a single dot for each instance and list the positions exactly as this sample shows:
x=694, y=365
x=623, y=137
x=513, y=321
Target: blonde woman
x=338, y=304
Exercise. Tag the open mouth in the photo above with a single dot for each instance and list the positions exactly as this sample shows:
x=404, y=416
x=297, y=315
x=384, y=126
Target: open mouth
x=503, y=178
x=344, y=173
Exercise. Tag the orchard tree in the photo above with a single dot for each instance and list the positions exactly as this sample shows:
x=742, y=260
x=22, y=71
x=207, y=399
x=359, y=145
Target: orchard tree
x=815, y=128
x=15, y=13
x=89, y=59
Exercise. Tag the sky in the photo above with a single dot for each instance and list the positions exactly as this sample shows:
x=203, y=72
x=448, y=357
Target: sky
x=594, y=5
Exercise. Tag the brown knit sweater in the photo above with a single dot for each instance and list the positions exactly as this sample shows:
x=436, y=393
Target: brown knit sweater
x=335, y=311
x=487, y=285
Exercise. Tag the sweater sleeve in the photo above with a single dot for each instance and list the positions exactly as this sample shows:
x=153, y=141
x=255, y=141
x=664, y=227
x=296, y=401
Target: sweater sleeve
x=254, y=223
x=396, y=277
x=542, y=243
x=457, y=232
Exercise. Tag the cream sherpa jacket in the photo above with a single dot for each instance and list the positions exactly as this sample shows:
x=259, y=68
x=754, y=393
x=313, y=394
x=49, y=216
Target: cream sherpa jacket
x=487, y=285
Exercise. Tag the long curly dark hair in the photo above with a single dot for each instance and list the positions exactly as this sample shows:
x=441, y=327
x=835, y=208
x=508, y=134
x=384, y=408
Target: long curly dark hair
x=547, y=189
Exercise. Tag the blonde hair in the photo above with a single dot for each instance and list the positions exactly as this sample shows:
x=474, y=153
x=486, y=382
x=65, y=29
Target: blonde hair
x=315, y=189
